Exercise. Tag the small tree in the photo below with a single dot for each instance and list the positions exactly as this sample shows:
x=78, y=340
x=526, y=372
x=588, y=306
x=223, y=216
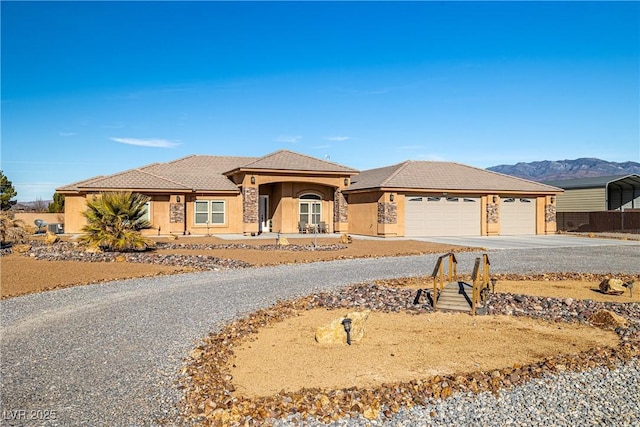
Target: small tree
x=57, y=205
x=7, y=192
x=39, y=205
x=115, y=220
x=11, y=230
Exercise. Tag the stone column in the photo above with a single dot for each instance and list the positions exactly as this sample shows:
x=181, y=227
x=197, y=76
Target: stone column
x=387, y=216
x=550, y=221
x=340, y=212
x=250, y=210
x=493, y=215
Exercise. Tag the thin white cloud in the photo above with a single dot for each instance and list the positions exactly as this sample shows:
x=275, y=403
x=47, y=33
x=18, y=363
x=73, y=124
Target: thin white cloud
x=67, y=133
x=155, y=143
x=338, y=138
x=288, y=139
x=320, y=147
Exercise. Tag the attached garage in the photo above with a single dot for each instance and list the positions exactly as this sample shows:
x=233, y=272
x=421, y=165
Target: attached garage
x=517, y=216
x=442, y=216
x=422, y=198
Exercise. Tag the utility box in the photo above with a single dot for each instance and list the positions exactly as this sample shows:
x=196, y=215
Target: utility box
x=55, y=228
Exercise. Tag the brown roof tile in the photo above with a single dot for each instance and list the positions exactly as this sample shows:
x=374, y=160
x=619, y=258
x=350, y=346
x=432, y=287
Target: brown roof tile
x=289, y=160
x=133, y=179
x=451, y=176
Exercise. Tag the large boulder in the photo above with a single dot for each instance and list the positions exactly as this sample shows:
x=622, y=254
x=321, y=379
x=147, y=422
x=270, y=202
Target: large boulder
x=20, y=248
x=334, y=333
x=345, y=239
x=607, y=319
x=612, y=287
x=51, y=238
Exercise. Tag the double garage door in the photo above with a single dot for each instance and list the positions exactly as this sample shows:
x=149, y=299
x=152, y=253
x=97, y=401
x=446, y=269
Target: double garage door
x=460, y=216
x=442, y=216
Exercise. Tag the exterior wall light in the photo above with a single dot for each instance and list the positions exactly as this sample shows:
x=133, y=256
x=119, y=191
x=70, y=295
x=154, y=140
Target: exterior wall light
x=495, y=199
x=253, y=179
x=346, y=182
x=178, y=199
x=553, y=199
x=392, y=197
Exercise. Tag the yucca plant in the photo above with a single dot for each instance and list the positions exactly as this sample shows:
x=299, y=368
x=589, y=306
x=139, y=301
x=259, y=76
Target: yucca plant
x=114, y=221
x=11, y=230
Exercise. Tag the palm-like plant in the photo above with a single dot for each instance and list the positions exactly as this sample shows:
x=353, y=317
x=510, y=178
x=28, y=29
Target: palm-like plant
x=114, y=221
x=11, y=230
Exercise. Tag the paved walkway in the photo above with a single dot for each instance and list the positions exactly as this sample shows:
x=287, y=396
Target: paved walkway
x=109, y=354
x=530, y=242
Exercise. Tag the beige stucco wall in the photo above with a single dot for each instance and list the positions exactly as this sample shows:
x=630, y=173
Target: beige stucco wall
x=582, y=200
x=50, y=218
x=363, y=213
x=73, y=208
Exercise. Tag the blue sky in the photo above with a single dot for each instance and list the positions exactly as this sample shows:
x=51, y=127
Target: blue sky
x=92, y=88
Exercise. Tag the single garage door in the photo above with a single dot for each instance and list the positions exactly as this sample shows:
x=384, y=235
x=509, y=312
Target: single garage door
x=517, y=216
x=442, y=216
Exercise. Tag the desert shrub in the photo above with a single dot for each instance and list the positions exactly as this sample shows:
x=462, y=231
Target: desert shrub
x=11, y=230
x=114, y=221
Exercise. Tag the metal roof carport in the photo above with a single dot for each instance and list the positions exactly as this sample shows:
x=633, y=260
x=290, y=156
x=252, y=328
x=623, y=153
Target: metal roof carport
x=620, y=191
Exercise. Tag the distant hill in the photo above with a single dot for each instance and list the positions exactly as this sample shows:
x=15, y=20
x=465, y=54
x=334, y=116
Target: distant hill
x=567, y=169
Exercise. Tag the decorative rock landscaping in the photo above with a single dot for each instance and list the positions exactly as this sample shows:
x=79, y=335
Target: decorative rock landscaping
x=209, y=390
x=67, y=251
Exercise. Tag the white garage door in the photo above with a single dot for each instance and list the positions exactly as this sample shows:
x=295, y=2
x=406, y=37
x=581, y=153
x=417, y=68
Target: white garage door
x=517, y=216
x=442, y=216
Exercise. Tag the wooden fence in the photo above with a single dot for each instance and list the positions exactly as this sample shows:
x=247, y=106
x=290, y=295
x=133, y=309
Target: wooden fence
x=627, y=221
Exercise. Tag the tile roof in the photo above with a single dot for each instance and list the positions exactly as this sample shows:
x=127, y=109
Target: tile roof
x=75, y=185
x=289, y=160
x=202, y=172
x=419, y=175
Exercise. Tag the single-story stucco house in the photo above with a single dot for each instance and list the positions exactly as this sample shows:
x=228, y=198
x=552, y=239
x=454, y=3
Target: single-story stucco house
x=284, y=190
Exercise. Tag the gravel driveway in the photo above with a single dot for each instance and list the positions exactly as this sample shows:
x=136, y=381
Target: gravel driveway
x=109, y=354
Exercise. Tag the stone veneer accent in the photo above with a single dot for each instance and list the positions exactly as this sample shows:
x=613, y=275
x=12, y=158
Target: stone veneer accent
x=493, y=213
x=340, y=207
x=176, y=213
x=550, y=213
x=249, y=205
x=387, y=213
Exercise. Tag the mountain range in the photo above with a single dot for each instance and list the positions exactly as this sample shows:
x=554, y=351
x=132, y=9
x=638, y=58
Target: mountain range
x=549, y=170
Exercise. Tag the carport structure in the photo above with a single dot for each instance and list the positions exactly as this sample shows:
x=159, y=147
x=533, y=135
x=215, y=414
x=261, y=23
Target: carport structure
x=602, y=193
x=424, y=198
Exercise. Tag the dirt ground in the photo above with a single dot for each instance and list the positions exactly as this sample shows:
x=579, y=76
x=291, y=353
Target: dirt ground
x=399, y=347
x=21, y=275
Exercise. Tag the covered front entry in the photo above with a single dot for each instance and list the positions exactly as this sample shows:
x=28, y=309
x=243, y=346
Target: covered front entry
x=291, y=207
x=517, y=216
x=442, y=216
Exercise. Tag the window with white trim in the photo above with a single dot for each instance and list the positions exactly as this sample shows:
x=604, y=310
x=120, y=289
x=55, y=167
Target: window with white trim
x=147, y=212
x=209, y=212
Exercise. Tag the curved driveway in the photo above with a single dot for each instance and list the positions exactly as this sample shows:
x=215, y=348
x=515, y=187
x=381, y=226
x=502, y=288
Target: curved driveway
x=109, y=354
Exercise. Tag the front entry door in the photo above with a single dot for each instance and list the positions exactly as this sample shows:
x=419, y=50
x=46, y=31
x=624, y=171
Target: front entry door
x=263, y=213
